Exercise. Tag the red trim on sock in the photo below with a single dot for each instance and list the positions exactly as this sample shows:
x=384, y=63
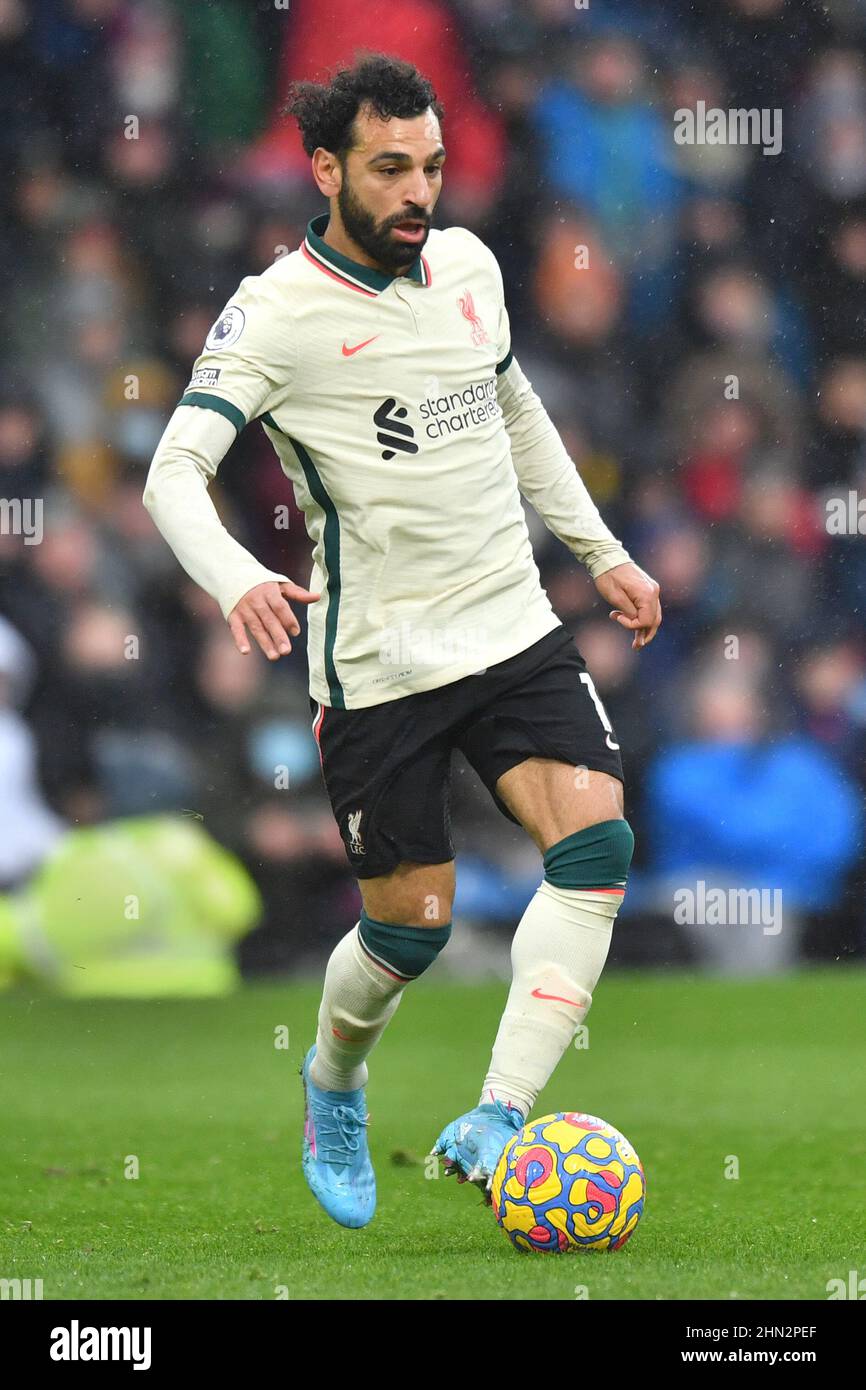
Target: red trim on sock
x=401, y=979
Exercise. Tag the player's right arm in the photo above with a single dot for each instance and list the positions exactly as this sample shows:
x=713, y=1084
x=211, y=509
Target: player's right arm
x=245, y=361
x=254, y=600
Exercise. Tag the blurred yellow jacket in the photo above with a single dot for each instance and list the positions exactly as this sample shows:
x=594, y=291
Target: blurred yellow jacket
x=146, y=907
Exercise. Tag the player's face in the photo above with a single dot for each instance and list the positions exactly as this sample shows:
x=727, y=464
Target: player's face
x=391, y=183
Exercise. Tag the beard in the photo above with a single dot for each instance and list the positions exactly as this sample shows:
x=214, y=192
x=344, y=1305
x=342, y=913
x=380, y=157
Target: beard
x=375, y=238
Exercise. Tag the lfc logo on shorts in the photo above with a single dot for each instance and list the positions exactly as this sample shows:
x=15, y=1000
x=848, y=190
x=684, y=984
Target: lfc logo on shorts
x=468, y=310
x=356, y=844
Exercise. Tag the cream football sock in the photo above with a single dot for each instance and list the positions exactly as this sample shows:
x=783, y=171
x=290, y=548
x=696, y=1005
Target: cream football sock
x=364, y=982
x=557, y=955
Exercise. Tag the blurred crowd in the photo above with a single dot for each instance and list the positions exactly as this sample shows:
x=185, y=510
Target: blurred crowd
x=692, y=316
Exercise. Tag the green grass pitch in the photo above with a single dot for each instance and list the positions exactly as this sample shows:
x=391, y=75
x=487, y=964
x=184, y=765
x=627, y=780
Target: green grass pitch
x=692, y=1070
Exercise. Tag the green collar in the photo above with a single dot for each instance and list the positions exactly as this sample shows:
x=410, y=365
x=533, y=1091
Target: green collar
x=349, y=272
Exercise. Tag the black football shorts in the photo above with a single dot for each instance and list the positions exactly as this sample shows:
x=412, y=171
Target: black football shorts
x=387, y=768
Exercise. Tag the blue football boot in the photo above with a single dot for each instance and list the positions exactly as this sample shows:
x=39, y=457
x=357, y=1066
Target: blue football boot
x=472, y=1146
x=336, y=1160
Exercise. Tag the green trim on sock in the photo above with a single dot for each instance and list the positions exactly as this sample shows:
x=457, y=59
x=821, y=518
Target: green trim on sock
x=404, y=951
x=597, y=857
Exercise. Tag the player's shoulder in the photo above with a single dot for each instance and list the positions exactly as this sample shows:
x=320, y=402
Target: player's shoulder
x=459, y=241
x=260, y=310
x=276, y=286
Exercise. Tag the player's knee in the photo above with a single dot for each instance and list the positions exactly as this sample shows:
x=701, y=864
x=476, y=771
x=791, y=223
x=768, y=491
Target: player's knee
x=403, y=951
x=595, y=857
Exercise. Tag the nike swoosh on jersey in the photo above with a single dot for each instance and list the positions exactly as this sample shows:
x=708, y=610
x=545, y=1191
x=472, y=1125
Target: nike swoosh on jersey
x=537, y=994
x=350, y=352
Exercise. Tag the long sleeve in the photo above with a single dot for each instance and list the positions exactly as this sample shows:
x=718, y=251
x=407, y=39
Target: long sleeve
x=176, y=495
x=548, y=477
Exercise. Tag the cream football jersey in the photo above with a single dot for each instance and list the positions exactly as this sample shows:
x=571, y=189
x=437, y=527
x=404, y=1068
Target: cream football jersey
x=408, y=431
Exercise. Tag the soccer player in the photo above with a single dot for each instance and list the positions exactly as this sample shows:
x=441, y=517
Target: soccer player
x=377, y=357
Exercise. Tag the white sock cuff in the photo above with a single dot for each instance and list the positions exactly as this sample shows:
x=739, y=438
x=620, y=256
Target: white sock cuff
x=603, y=905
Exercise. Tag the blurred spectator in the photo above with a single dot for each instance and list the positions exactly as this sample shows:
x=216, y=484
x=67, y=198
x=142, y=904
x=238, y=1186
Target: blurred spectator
x=625, y=175
x=831, y=686
x=838, y=296
x=830, y=126
x=323, y=34
x=140, y=908
x=727, y=809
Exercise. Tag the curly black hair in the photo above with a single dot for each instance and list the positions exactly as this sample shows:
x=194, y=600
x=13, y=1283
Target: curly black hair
x=388, y=86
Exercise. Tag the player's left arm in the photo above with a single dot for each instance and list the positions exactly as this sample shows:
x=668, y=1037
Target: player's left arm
x=550, y=482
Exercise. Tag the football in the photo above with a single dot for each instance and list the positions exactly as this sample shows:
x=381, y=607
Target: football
x=568, y=1182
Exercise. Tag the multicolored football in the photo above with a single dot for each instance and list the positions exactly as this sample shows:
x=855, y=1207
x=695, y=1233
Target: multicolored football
x=568, y=1182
